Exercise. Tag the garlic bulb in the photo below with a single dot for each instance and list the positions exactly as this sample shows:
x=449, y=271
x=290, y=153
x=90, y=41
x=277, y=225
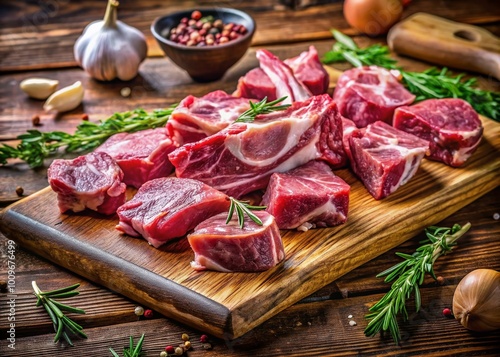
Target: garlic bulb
x=38, y=88
x=65, y=99
x=476, y=302
x=110, y=49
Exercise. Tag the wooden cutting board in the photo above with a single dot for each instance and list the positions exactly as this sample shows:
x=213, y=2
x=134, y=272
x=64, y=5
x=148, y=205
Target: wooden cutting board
x=448, y=43
x=228, y=305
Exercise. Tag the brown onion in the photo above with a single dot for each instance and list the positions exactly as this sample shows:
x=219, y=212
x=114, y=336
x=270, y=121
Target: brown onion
x=476, y=302
x=372, y=17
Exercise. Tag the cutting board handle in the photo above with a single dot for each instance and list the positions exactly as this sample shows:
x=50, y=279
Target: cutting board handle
x=447, y=43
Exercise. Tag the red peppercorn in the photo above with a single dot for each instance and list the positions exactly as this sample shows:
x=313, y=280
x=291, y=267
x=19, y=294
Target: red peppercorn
x=196, y=15
x=148, y=313
x=203, y=338
x=170, y=350
x=447, y=312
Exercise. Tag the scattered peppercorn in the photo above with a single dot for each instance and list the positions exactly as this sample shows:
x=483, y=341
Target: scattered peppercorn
x=179, y=351
x=125, y=91
x=440, y=280
x=35, y=120
x=204, y=31
x=206, y=346
x=148, y=313
x=139, y=310
x=19, y=191
x=185, y=337
x=163, y=354
x=203, y=338
x=187, y=345
x=170, y=350
x=447, y=312
x=85, y=117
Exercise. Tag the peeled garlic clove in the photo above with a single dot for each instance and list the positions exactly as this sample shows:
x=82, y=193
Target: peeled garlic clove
x=65, y=99
x=39, y=88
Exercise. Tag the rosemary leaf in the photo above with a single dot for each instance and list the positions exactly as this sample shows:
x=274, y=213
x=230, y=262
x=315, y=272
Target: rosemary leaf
x=411, y=272
x=242, y=209
x=262, y=107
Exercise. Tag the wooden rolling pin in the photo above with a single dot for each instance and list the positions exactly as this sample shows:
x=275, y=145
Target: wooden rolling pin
x=447, y=43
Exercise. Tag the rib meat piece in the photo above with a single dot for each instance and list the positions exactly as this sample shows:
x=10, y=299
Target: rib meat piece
x=196, y=118
x=167, y=208
x=229, y=248
x=282, y=77
x=306, y=67
x=369, y=94
x=142, y=155
x=451, y=126
x=311, y=194
x=242, y=157
x=92, y=181
x=385, y=158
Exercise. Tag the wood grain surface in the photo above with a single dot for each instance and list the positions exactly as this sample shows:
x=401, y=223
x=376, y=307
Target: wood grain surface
x=89, y=245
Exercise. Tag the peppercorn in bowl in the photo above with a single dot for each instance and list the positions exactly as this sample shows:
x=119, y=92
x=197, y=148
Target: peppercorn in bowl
x=204, y=42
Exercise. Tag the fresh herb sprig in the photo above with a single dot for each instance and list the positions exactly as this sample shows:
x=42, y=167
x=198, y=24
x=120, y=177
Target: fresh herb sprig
x=62, y=323
x=409, y=275
x=36, y=145
x=431, y=83
x=262, y=107
x=242, y=209
x=131, y=350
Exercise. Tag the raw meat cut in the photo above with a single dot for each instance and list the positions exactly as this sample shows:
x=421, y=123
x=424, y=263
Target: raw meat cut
x=311, y=194
x=306, y=67
x=451, y=126
x=92, y=181
x=282, y=77
x=167, y=208
x=142, y=156
x=368, y=94
x=348, y=128
x=196, y=118
x=242, y=157
x=385, y=158
x=229, y=248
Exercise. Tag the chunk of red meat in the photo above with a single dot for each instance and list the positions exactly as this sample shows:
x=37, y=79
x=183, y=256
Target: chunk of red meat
x=229, y=248
x=92, y=181
x=348, y=127
x=142, y=155
x=308, y=69
x=311, y=193
x=167, y=208
x=196, y=118
x=369, y=94
x=256, y=84
x=385, y=158
x=242, y=157
x=451, y=126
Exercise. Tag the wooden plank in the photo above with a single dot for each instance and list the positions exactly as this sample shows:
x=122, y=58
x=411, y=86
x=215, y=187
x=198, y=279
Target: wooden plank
x=162, y=278
x=60, y=23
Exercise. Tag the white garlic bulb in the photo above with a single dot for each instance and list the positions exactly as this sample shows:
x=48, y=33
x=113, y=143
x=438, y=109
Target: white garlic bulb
x=65, y=99
x=110, y=49
x=39, y=88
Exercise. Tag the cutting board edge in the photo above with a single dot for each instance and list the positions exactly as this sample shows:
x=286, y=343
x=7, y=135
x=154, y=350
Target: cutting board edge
x=12, y=225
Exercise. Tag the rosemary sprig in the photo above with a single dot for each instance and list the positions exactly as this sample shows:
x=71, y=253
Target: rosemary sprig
x=241, y=209
x=431, y=83
x=36, y=145
x=409, y=275
x=262, y=107
x=62, y=324
x=131, y=350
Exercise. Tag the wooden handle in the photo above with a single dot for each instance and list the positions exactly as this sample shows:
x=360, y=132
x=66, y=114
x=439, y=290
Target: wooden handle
x=447, y=43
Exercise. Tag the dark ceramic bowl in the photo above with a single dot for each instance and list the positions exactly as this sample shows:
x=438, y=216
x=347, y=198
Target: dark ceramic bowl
x=208, y=63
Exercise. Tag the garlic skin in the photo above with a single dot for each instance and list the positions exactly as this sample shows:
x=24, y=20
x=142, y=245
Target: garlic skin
x=39, y=88
x=109, y=48
x=476, y=301
x=65, y=99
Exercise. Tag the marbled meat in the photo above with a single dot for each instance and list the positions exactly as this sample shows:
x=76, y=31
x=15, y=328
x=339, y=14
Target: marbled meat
x=167, y=208
x=309, y=195
x=229, y=248
x=92, y=181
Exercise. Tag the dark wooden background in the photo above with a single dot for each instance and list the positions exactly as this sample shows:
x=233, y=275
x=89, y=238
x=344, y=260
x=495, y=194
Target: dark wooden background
x=36, y=39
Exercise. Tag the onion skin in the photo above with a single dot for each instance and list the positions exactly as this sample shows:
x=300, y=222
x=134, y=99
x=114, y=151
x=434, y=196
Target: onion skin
x=476, y=301
x=372, y=17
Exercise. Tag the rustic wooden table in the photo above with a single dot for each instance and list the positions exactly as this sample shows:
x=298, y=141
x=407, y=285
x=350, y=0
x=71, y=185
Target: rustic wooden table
x=36, y=40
